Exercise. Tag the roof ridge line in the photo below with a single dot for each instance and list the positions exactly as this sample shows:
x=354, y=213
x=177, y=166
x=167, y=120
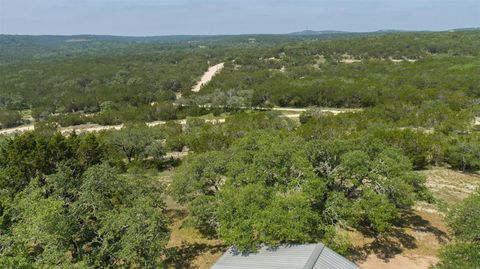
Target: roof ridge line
x=312, y=260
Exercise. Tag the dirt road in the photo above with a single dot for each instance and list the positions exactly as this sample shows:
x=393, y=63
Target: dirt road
x=334, y=111
x=208, y=76
x=17, y=130
x=93, y=128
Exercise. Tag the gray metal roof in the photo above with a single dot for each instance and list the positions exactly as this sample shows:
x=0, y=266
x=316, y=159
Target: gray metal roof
x=311, y=256
x=329, y=259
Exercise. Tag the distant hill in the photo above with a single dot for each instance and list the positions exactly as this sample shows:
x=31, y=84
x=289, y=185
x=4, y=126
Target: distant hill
x=381, y=31
x=335, y=32
x=331, y=34
x=391, y=31
x=465, y=29
x=17, y=48
x=325, y=32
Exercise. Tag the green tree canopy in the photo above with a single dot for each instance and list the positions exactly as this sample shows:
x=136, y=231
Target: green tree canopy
x=272, y=188
x=464, y=220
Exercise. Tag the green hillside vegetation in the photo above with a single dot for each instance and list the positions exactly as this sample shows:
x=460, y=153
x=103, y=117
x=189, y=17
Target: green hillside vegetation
x=445, y=73
x=464, y=220
x=100, y=200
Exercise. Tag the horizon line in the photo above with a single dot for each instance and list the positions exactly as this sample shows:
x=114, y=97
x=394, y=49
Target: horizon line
x=246, y=34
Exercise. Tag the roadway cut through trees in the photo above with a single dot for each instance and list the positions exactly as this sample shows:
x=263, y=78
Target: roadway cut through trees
x=208, y=76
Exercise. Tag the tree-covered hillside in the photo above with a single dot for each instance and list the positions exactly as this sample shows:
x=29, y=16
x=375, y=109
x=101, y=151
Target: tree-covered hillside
x=298, y=139
x=406, y=68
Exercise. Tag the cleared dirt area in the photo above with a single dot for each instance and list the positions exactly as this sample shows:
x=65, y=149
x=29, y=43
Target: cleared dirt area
x=403, y=59
x=348, y=59
x=417, y=245
x=414, y=245
x=334, y=111
x=187, y=248
x=291, y=109
x=89, y=128
x=155, y=123
x=94, y=128
x=83, y=128
x=177, y=155
x=208, y=76
x=17, y=130
x=451, y=186
x=412, y=261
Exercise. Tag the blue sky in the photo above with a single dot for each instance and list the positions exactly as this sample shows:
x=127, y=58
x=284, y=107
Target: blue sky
x=166, y=17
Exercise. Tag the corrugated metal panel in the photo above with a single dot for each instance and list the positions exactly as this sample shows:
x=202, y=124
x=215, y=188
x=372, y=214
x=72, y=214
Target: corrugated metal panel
x=287, y=257
x=329, y=259
x=312, y=256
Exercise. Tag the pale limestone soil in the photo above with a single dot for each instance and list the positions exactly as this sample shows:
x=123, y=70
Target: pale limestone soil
x=92, y=128
x=208, y=76
x=401, y=261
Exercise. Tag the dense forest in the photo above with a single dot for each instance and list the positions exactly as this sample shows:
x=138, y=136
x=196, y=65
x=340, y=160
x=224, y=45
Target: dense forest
x=254, y=175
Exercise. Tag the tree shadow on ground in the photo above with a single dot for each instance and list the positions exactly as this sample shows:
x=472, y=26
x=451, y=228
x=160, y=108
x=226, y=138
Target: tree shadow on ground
x=184, y=255
x=388, y=245
x=417, y=223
